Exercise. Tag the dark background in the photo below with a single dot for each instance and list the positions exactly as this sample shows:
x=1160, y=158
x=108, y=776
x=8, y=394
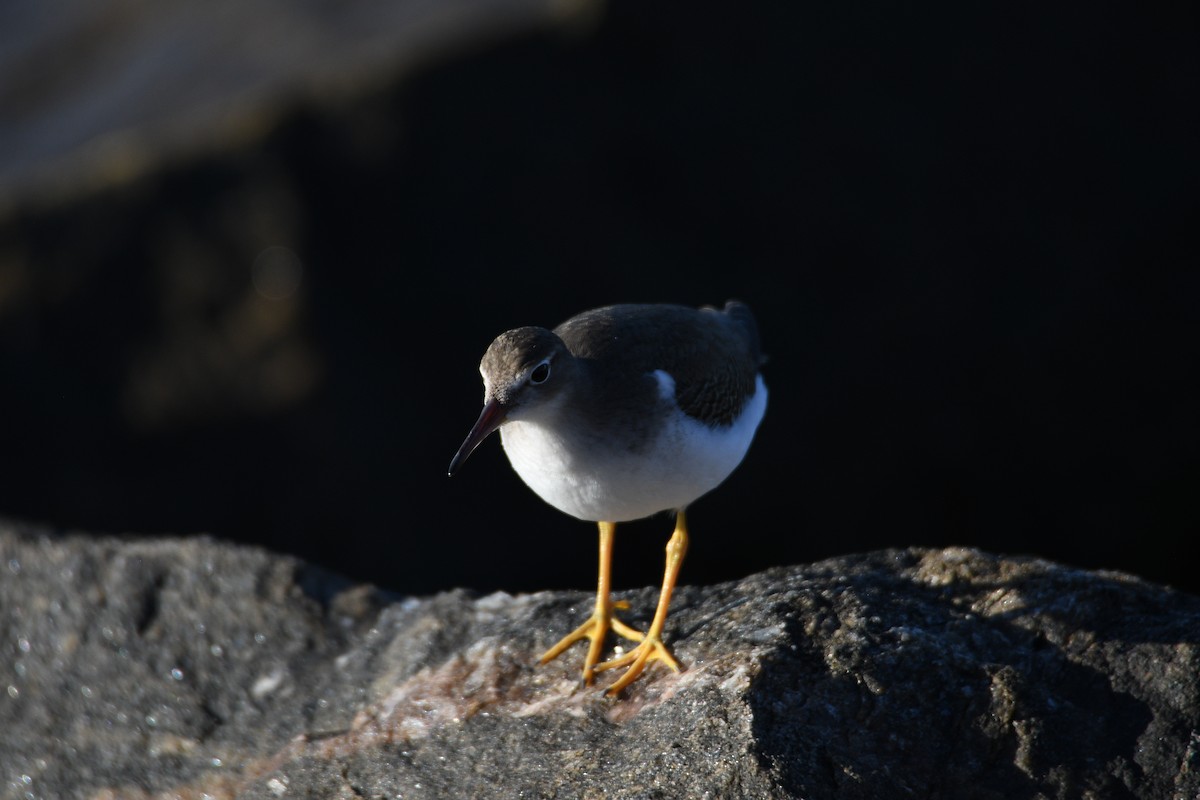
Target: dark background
x=968, y=235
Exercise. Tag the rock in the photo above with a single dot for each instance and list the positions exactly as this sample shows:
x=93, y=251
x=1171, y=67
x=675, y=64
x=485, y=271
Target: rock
x=194, y=668
x=98, y=92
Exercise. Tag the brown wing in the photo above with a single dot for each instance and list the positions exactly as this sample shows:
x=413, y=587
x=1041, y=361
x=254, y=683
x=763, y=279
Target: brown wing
x=712, y=354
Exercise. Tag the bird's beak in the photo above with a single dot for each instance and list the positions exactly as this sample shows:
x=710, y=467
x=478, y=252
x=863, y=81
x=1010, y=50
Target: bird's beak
x=492, y=417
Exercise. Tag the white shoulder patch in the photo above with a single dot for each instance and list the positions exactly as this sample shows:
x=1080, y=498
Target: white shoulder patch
x=666, y=384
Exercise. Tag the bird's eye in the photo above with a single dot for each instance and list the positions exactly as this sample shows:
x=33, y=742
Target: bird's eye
x=540, y=373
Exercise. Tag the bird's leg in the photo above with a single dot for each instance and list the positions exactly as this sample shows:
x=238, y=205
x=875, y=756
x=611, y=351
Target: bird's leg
x=597, y=626
x=651, y=647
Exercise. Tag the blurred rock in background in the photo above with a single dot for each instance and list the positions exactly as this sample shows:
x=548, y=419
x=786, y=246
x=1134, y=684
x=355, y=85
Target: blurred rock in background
x=250, y=256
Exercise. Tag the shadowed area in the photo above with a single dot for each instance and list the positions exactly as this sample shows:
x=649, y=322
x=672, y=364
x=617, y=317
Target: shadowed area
x=967, y=236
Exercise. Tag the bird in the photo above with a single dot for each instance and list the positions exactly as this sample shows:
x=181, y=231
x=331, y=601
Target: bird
x=620, y=413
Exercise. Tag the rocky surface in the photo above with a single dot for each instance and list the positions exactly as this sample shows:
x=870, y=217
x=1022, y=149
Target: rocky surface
x=193, y=668
x=97, y=92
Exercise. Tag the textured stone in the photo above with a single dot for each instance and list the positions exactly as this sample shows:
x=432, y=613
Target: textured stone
x=98, y=92
x=192, y=668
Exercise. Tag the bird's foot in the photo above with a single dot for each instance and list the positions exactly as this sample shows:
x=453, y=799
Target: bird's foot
x=594, y=630
x=651, y=648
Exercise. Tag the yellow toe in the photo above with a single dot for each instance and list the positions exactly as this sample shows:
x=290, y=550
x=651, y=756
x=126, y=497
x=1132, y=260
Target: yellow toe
x=649, y=649
x=595, y=630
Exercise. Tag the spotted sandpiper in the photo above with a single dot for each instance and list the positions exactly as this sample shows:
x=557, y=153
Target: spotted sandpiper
x=617, y=414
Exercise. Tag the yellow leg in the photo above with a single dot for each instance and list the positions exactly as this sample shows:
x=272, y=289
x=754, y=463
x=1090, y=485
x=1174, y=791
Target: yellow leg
x=651, y=648
x=597, y=626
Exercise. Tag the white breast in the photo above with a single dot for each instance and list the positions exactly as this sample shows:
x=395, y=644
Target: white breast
x=593, y=482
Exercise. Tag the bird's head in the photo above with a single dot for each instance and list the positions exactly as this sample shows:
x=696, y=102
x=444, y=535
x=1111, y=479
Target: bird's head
x=524, y=372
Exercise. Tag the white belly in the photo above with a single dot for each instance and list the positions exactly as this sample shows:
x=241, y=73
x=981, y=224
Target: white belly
x=597, y=483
